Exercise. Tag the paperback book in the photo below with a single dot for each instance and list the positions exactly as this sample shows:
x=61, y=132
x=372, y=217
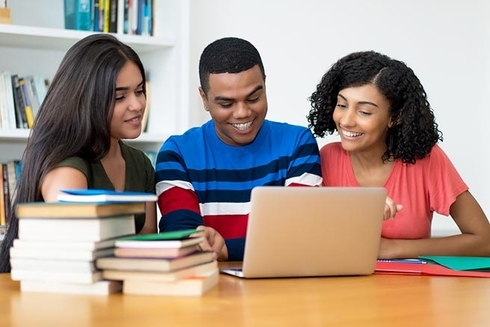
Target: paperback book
x=98, y=195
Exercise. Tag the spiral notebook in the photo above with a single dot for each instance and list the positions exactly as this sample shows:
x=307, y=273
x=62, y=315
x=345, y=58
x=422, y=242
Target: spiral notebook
x=312, y=231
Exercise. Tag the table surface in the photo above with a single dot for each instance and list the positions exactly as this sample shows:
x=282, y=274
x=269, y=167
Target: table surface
x=376, y=300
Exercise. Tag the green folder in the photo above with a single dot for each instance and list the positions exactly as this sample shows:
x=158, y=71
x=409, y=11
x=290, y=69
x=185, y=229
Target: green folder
x=460, y=262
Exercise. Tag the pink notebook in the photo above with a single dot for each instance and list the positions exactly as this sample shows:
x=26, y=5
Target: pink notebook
x=397, y=268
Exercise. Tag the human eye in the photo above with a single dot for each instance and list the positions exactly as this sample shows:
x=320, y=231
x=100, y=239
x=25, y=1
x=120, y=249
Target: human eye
x=140, y=92
x=341, y=105
x=253, y=100
x=225, y=105
x=120, y=97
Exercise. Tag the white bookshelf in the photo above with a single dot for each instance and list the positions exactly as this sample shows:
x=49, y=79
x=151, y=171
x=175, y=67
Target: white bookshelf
x=36, y=41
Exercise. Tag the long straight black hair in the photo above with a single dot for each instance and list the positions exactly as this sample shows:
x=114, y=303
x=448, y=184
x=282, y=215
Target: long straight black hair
x=73, y=120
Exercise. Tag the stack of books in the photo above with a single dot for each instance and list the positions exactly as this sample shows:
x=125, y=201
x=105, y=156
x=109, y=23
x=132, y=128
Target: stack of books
x=168, y=263
x=58, y=244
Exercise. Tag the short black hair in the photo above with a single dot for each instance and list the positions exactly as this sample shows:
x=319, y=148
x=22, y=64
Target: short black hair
x=228, y=55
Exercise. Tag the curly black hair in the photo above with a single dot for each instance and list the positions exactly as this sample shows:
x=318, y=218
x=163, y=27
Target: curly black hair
x=228, y=55
x=414, y=131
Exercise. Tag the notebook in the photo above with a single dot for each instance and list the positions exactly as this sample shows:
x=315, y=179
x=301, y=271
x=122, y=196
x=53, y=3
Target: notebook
x=312, y=231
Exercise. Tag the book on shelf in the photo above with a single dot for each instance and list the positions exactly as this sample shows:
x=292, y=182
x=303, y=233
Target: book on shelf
x=10, y=122
x=26, y=102
x=161, y=265
x=103, y=287
x=9, y=93
x=3, y=204
x=173, y=239
x=98, y=195
x=56, y=277
x=52, y=265
x=78, y=14
x=173, y=276
x=193, y=286
x=6, y=192
x=12, y=176
x=20, y=114
x=75, y=229
x=77, y=210
x=60, y=254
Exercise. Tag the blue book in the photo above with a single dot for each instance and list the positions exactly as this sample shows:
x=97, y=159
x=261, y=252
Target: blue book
x=78, y=15
x=98, y=195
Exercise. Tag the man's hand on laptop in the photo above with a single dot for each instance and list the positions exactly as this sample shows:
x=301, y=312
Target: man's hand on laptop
x=391, y=208
x=213, y=241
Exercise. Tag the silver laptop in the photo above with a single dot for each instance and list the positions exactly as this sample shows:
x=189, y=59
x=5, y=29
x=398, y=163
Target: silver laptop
x=312, y=231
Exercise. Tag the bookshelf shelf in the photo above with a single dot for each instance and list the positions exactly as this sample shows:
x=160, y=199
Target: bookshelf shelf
x=61, y=39
x=35, y=43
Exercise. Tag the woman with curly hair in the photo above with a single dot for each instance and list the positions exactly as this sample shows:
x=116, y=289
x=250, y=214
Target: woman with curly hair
x=388, y=137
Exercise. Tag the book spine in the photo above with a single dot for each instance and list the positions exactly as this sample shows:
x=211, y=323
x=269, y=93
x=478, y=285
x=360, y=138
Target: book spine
x=26, y=103
x=78, y=14
x=10, y=99
x=20, y=115
x=6, y=190
x=3, y=220
x=107, y=15
x=113, y=16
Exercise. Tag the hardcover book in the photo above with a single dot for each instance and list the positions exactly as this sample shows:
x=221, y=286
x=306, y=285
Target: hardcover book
x=78, y=14
x=194, y=286
x=75, y=229
x=58, y=277
x=60, y=254
x=162, y=265
x=52, y=265
x=164, y=240
x=77, y=210
x=173, y=276
x=165, y=253
x=103, y=287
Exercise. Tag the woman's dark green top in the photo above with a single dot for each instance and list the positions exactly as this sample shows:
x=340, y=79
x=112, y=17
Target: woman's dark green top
x=140, y=174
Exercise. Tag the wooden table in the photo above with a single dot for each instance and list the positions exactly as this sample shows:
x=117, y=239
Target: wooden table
x=377, y=300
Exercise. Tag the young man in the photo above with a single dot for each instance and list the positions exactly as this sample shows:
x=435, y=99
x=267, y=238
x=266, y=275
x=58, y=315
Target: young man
x=205, y=176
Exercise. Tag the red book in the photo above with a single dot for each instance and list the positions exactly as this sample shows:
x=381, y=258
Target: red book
x=397, y=268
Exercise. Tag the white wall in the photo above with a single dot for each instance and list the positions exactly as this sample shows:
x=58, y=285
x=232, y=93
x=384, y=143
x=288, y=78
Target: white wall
x=446, y=42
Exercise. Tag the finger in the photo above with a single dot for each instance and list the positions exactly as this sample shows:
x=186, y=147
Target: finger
x=201, y=230
x=390, y=211
x=205, y=246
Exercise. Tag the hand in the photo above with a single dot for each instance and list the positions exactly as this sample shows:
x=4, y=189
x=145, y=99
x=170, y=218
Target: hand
x=213, y=241
x=391, y=208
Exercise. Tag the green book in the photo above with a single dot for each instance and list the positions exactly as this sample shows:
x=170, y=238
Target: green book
x=174, y=239
x=460, y=262
x=174, y=235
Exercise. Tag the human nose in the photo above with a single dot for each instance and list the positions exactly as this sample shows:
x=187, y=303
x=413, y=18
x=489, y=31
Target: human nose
x=242, y=110
x=347, y=117
x=137, y=102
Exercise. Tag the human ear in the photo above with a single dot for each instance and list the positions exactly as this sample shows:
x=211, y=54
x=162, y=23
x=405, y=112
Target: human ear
x=204, y=98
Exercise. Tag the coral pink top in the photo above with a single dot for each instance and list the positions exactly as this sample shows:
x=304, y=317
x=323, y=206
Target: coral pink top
x=431, y=184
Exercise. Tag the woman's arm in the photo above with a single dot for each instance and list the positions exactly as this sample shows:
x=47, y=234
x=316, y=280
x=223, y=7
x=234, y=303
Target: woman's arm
x=150, y=225
x=474, y=239
x=61, y=178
